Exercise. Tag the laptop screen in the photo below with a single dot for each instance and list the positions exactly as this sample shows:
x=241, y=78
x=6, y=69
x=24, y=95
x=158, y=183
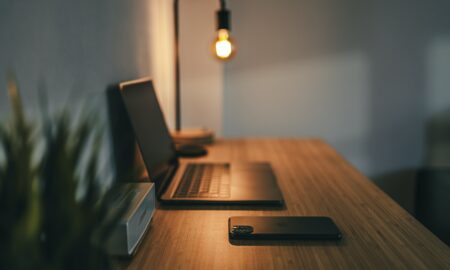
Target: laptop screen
x=153, y=137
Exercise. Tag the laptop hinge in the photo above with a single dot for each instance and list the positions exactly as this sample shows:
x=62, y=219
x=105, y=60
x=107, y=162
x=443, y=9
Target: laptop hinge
x=167, y=180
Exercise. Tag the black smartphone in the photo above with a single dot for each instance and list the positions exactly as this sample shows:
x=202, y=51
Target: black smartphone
x=283, y=228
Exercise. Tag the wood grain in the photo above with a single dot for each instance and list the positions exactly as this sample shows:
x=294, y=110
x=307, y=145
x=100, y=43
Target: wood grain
x=315, y=181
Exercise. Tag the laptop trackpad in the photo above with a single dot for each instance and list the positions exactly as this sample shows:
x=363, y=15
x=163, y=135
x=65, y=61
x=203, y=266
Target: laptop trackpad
x=253, y=182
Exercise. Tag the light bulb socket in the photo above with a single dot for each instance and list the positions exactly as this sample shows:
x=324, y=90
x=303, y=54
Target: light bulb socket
x=223, y=19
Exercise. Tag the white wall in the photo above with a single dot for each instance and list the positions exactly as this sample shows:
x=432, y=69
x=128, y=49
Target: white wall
x=162, y=55
x=75, y=48
x=72, y=50
x=201, y=74
x=366, y=76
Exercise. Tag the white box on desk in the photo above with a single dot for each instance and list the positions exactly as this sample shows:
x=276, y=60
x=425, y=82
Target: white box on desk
x=128, y=234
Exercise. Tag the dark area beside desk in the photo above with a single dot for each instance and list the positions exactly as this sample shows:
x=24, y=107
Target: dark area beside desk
x=432, y=203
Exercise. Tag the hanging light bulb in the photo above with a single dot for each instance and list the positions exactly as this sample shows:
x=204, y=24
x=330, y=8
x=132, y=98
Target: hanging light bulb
x=223, y=46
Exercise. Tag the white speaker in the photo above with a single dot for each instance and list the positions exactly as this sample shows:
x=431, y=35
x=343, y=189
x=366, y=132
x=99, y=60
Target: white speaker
x=128, y=234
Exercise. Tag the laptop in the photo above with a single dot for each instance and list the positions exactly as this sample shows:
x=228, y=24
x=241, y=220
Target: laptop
x=191, y=182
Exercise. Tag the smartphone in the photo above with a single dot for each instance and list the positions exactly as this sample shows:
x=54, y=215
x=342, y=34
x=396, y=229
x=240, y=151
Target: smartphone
x=283, y=228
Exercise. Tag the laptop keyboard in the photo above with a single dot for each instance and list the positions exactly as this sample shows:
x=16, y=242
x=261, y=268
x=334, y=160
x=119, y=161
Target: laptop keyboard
x=202, y=180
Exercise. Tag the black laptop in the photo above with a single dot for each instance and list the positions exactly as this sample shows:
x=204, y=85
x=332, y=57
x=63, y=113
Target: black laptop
x=191, y=183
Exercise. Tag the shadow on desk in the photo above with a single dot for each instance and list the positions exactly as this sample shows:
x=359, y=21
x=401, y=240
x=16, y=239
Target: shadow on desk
x=303, y=243
x=222, y=207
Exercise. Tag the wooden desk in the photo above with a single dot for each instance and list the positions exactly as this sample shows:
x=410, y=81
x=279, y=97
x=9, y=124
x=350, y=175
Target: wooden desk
x=315, y=180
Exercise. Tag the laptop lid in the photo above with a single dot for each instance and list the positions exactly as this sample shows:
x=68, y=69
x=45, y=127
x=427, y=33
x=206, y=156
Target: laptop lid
x=152, y=135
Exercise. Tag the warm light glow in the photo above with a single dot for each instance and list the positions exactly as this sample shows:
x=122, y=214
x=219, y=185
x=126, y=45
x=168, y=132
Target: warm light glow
x=223, y=46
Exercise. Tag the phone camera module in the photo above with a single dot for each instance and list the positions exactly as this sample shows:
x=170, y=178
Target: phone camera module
x=241, y=229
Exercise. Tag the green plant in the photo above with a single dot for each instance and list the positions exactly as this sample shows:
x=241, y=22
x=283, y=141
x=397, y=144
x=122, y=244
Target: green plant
x=43, y=223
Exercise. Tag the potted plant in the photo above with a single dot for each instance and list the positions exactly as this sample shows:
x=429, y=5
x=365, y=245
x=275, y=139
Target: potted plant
x=54, y=211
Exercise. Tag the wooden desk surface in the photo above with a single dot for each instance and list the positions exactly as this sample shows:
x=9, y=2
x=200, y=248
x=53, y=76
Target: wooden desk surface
x=315, y=180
